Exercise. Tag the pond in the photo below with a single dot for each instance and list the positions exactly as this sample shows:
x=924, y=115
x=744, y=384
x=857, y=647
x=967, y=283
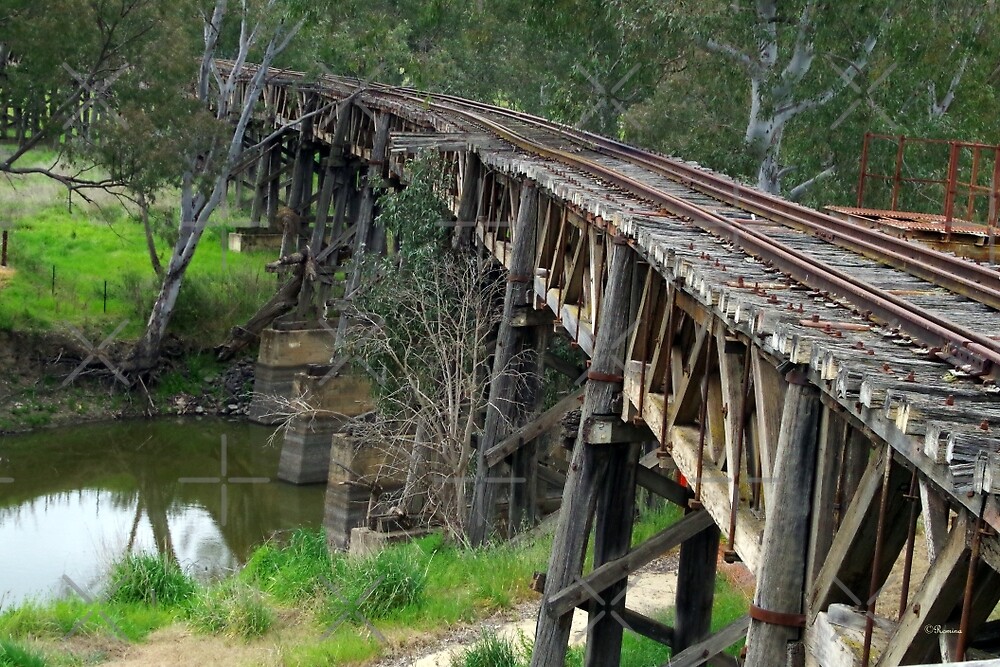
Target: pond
x=75, y=500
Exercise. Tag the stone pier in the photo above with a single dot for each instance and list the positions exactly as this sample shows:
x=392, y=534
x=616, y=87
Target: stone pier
x=286, y=349
x=305, y=454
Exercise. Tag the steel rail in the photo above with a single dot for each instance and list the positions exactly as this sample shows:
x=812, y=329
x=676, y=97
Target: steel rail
x=962, y=345
x=932, y=329
x=957, y=275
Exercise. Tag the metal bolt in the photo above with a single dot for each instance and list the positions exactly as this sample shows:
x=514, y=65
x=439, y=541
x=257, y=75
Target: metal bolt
x=950, y=400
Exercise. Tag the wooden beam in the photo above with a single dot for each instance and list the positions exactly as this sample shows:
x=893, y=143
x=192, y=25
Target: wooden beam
x=609, y=573
x=588, y=466
x=527, y=316
x=933, y=603
x=567, y=368
x=832, y=435
x=535, y=428
x=703, y=652
x=781, y=578
x=612, y=538
x=769, y=396
x=505, y=406
x=845, y=576
x=695, y=588
x=610, y=430
x=663, y=486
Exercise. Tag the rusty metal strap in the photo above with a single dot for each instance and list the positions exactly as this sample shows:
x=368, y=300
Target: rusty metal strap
x=777, y=617
x=605, y=377
x=515, y=278
x=620, y=239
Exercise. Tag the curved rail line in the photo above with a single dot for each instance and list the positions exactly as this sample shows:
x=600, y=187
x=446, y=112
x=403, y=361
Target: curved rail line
x=955, y=274
x=962, y=277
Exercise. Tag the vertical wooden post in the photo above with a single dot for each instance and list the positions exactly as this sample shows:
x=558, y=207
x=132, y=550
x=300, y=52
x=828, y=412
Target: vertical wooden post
x=778, y=602
x=363, y=221
x=323, y=206
x=504, y=404
x=523, y=506
x=300, y=191
x=695, y=588
x=612, y=539
x=469, y=203
x=274, y=184
x=590, y=464
x=261, y=180
x=832, y=436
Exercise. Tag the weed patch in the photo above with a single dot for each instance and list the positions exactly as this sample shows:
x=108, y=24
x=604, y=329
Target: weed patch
x=233, y=609
x=150, y=579
x=492, y=650
x=13, y=654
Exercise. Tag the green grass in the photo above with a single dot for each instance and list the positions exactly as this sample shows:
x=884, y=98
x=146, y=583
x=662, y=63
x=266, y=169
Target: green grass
x=87, y=245
x=220, y=288
x=492, y=650
x=13, y=654
x=232, y=608
x=150, y=579
x=412, y=589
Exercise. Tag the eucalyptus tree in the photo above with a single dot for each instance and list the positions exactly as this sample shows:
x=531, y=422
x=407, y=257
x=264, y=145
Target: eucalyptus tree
x=780, y=92
x=265, y=30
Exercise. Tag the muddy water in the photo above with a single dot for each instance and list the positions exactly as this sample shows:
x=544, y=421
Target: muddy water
x=74, y=500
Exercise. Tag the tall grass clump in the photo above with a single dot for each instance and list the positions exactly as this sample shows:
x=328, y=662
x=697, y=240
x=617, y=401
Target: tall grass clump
x=13, y=654
x=149, y=579
x=380, y=585
x=233, y=609
x=294, y=571
x=492, y=650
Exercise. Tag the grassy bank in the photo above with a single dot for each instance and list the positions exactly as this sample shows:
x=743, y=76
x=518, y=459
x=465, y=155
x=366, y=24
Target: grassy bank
x=63, y=256
x=84, y=267
x=308, y=606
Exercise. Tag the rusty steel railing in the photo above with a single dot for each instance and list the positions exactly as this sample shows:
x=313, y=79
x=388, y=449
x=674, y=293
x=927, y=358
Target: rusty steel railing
x=980, y=161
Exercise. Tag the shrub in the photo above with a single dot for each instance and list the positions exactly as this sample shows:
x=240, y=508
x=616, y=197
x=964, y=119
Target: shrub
x=381, y=585
x=149, y=579
x=233, y=609
x=492, y=650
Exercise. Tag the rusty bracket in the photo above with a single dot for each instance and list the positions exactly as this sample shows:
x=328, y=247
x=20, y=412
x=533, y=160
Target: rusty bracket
x=777, y=617
x=605, y=377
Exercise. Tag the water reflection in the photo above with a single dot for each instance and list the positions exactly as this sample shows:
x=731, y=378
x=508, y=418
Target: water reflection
x=83, y=497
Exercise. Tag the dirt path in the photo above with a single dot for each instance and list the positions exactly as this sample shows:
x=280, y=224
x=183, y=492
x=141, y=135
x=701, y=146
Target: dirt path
x=650, y=591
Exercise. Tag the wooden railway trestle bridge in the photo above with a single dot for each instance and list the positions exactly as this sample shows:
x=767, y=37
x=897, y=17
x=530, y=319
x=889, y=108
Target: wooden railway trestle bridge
x=825, y=395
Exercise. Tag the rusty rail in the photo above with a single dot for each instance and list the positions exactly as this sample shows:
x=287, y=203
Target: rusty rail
x=961, y=345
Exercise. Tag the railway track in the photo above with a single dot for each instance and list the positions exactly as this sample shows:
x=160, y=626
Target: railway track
x=785, y=235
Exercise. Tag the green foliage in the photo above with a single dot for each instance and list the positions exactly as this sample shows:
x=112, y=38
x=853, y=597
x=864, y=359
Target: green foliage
x=294, y=571
x=493, y=650
x=13, y=654
x=149, y=579
x=233, y=609
x=381, y=585
x=414, y=215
